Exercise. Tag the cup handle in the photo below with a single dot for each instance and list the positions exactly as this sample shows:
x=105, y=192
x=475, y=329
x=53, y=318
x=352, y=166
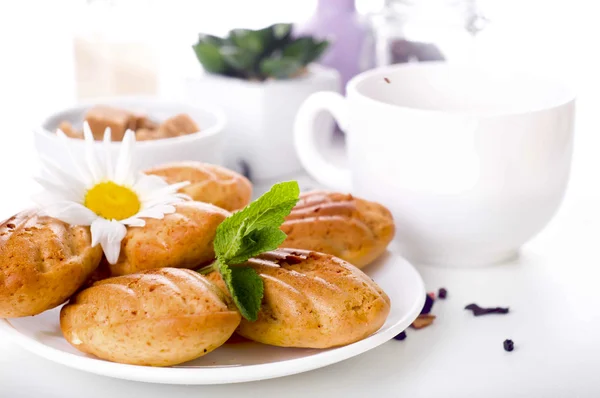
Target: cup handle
x=305, y=138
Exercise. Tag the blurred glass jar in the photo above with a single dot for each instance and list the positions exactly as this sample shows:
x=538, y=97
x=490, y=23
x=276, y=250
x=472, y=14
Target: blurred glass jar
x=425, y=30
x=113, y=46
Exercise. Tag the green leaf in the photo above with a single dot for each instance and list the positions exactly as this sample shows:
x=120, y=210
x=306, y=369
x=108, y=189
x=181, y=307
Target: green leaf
x=305, y=50
x=274, y=37
x=280, y=68
x=257, y=242
x=298, y=49
x=214, y=40
x=210, y=57
x=281, y=31
x=316, y=52
x=249, y=40
x=239, y=59
x=258, y=54
x=247, y=233
x=236, y=236
x=246, y=288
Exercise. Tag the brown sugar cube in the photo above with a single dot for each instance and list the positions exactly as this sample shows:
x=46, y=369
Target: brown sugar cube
x=146, y=135
x=177, y=125
x=119, y=120
x=143, y=122
x=69, y=131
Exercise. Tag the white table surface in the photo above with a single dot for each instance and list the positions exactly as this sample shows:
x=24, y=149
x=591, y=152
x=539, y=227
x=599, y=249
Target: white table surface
x=553, y=292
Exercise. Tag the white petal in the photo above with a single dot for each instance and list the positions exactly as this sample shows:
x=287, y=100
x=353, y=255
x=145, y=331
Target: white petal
x=44, y=198
x=134, y=221
x=183, y=196
x=164, y=192
x=64, y=177
x=167, y=209
x=153, y=212
x=146, y=185
x=124, y=169
x=82, y=171
x=87, y=132
x=177, y=186
x=108, y=166
x=59, y=190
x=167, y=201
x=71, y=213
x=91, y=158
x=109, y=234
x=153, y=190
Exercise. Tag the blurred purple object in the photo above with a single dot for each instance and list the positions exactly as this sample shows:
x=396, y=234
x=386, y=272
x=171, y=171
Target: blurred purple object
x=338, y=21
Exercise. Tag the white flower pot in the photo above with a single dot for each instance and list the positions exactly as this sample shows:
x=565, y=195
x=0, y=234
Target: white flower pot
x=261, y=115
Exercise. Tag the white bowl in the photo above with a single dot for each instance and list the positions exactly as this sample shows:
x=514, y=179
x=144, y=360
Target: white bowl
x=205, y=145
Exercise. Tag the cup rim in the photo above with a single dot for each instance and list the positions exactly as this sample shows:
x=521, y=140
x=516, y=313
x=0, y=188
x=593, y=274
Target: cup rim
x=216, y=128
x=353, y=91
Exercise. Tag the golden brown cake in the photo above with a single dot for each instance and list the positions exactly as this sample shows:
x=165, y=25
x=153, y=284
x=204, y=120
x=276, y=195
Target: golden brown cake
x=183, y=239
x=350, y=228
x=158, y=317
x=43, y=261
x=313, y=300
x=209, y=183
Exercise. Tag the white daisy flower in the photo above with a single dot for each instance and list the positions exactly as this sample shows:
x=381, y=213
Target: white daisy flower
x=108, y=197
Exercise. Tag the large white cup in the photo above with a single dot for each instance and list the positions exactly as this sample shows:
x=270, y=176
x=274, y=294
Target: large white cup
x=472, y=163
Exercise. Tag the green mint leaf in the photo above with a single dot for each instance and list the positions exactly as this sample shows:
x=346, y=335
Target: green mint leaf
x=246, y=288
x=236, y=237
x=248, y=233
x=258, y=241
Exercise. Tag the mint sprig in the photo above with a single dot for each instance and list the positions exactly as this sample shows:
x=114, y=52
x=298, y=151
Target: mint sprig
x=248, y=233
x=246, y=288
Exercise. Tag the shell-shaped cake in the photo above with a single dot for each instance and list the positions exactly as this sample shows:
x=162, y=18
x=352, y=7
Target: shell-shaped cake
x=43, y=261
x=313, y=300
x=158, y=317
x=208, y=183
x=353, y=229
x=183, y=239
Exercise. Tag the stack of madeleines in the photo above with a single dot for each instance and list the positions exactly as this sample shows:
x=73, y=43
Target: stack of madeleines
x=151, y=308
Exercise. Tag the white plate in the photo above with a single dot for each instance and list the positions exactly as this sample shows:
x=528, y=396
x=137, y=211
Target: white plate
x=239, y=362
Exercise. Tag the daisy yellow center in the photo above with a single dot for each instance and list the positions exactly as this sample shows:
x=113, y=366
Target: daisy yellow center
x=112, y=201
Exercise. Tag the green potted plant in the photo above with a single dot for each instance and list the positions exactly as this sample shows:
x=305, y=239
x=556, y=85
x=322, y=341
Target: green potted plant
x=260, y=78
